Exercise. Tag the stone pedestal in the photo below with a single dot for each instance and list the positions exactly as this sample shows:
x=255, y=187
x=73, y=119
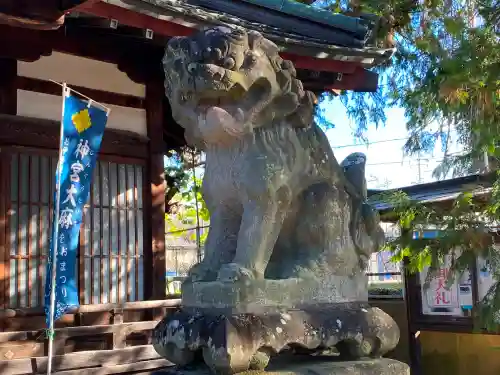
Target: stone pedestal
x=267, y=295
x=229, y=342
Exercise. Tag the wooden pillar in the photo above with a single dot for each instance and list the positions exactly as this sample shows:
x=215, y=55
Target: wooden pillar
x=412, y=309
x=155, y=268
x=4, y=250
x=8, y=105
x=119, y=335
x=8, y=92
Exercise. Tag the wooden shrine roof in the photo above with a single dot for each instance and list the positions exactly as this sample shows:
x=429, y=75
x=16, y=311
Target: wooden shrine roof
x=436, y=193
x=295, y=27
x=330, y=51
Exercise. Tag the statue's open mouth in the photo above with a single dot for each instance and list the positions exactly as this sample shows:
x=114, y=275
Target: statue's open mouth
x=228, y=91
x=222, y=98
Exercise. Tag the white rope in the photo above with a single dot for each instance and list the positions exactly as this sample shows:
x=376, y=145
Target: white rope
x=90, y=101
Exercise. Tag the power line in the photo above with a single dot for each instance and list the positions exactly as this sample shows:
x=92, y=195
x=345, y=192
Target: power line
x=375, y=142
x=435, y=159
x=371, y=143
x=385, y=163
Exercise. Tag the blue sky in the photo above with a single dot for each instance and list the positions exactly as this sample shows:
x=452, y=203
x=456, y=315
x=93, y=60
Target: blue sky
x=387, y=166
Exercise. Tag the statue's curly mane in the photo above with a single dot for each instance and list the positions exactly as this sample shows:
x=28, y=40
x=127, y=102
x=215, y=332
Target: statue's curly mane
x=293, y=95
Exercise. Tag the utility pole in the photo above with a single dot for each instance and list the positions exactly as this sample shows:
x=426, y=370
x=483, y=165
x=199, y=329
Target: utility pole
x=486, y=162
x=419, y=169
x=420, y=178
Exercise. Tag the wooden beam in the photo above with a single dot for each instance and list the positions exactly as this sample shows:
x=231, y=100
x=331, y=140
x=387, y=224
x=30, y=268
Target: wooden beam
x=316, y=64
x=361, y=80
x=155, y=251
x=37, y=14
x=105, y=97
x=134, y=18
x=149, y=367
x=123, y=329
x=44, y=134
x=32, y=23
x=8, y=93
x=105, y=307
x=139, y=58
x=24, y=44
x=77, y=8
x=163, y=27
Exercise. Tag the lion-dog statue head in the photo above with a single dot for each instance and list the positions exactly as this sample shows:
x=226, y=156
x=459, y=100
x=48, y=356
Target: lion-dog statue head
x=223, y=82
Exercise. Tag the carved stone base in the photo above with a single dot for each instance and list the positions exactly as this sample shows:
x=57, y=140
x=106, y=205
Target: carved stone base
x=261, y=295
x=232, y=343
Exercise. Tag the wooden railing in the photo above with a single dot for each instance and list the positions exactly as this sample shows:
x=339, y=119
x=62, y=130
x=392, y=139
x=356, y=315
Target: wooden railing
x=103, y=307
x=117, y=359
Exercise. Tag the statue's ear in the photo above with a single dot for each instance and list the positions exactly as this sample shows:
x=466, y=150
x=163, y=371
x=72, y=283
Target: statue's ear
x=270, y=48
x=254, y=39
x=304, y=115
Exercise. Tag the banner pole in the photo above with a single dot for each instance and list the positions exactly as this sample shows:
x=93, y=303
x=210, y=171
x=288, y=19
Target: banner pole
x=55, y=242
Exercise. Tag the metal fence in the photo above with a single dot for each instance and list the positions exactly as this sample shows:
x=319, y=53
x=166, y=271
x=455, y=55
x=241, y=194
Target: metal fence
x=180, y=256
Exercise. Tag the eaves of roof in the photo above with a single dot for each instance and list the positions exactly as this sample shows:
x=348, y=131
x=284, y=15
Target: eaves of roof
x=435, y=197
x=440, y=191
x=291, y=33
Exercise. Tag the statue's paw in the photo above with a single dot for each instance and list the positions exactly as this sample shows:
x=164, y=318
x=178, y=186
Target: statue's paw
x=233, y=272
x=200, y=272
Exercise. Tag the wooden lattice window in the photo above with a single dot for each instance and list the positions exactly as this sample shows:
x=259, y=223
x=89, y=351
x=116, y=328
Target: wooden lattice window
x=30, y=191
x=112, y=246
x=111, y=261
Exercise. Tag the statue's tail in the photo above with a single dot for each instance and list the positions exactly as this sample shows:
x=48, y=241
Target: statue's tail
x=354, y=167
x=366, y=232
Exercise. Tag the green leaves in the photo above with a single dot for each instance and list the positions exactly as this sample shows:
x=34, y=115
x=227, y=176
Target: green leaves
x=465, y=235
x=186, y=206
x=454, y=26
x=446, y=71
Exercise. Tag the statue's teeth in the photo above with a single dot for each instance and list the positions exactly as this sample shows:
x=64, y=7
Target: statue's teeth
x=239, y=115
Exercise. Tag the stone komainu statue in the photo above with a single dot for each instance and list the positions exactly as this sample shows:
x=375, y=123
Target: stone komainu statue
x=281, y=206
x=290, y=229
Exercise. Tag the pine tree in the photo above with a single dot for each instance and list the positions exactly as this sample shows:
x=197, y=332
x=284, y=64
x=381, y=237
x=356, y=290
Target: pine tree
x=446, y=75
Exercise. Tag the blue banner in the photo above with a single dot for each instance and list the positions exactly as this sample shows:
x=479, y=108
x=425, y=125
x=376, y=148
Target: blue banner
x=425, y=234
x=82, y=129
